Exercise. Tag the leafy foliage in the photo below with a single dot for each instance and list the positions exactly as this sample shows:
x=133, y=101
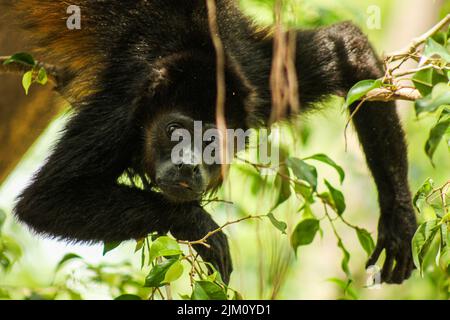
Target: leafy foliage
x=431, y=203
x=10, y=251
x=36, y=74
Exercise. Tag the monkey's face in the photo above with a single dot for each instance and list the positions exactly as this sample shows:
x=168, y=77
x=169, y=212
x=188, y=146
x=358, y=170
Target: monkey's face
x=182, y=154
x=181, y=157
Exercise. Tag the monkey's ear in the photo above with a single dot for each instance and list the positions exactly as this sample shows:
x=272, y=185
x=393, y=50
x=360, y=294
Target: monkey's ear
x=166, y=70
x=159, y=80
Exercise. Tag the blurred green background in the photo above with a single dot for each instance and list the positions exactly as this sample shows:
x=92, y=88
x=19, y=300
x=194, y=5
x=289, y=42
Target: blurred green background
x=264, y=264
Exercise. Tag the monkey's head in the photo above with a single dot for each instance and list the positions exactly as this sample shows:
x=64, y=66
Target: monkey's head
x=175, y=159
x=182, y=155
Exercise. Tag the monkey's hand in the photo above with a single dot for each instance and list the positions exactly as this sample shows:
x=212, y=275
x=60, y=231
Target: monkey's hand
x=395, y=232
x=218, y=254
x=195, y=225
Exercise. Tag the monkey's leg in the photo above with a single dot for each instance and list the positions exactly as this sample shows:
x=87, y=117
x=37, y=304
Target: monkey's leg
x=382, y=138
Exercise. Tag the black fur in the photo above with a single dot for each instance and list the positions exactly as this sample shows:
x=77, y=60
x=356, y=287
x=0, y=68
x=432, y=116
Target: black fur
x=76, y=195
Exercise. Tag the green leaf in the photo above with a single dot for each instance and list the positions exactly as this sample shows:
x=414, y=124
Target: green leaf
x=305, y=191
x=214, y=275
x=366, y=241
x=345, y=286
x=174, y=272
x=337, y=198
x=2, y=218
x=360, y=89
x=164, y=247
x=441, y=38
x=326, y=197
x=74, y=295
x=128, y=297
x=237, y=296
x=440, y=96
x=68, y=257
x=424, y=191
x=282, y=184
x=422, y=240
x=425, y=80
x=304, y=233
x=107, y=247
x=327, y=160
x=437, y=133
x=5, y=263
x=280, y=225
x=444, y=259
x=158, y=273
x=21, y=57
x=205, y=290
x=307, y=212
x=303, y=171
x=444, y=256
x=12, y=247
x=42, y=77
x=253, y=176
x=27, y=80
x=139, y=244
x=433, y=49
x=345, y=258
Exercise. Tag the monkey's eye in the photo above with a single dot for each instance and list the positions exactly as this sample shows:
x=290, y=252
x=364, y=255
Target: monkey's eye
x=170, y=129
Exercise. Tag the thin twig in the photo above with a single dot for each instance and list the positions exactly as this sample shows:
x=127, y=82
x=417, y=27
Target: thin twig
x=411, y=49
x=358, y=107
x=386, y=94
x=411, y=52
x=203, y=241
x=20, y=68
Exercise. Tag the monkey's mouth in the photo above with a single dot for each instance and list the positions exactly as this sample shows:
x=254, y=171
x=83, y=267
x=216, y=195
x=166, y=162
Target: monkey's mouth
x=180, y=192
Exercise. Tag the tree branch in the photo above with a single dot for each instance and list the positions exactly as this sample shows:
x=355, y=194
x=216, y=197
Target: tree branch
x=419, y=40
x=386, y=95
x=20, y=68
x=410, y=52
x=203, y=241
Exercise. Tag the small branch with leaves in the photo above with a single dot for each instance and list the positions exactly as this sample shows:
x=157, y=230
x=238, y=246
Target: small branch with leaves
x=427, y=84
x=32, y=71
x=431, y=56
x=432, y=205
x=204, y=241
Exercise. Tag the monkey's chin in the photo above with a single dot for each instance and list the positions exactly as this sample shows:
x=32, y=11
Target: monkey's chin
x=180, y=194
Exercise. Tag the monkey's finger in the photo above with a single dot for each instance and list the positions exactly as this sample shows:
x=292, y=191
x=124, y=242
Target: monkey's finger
x=386, y=272
x=375, y=255
x=218, y=260
x=400, y=270
x=410, y=268
x=226, y=265
x=224, y=258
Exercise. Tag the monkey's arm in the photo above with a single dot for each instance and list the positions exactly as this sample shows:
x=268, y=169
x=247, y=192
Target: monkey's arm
x=331, y=61
x=192, y=227
x=75, y=195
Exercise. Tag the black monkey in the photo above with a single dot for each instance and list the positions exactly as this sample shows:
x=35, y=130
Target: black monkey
x=138, y=70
